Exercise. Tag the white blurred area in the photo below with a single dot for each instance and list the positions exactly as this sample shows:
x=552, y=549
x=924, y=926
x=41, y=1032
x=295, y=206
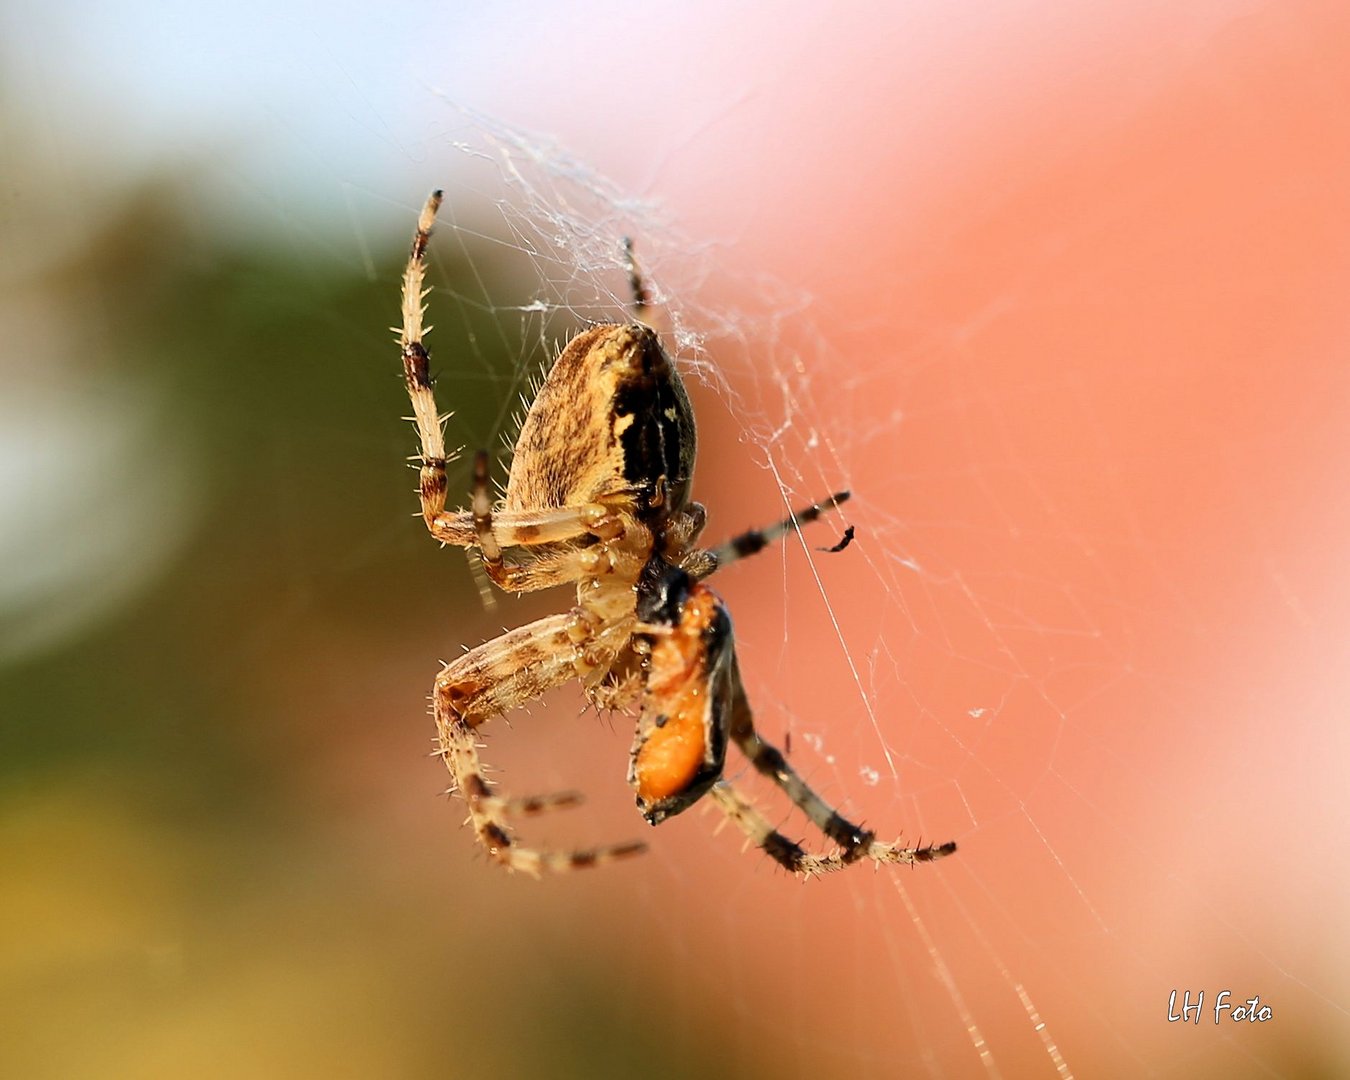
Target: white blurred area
x=96, y=473
x=95, y=496
x=293, y=115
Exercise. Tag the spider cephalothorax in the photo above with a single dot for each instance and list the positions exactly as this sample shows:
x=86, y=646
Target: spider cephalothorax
x=598, y=497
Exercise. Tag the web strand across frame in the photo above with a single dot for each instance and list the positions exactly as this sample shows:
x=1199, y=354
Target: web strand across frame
x=853, y=652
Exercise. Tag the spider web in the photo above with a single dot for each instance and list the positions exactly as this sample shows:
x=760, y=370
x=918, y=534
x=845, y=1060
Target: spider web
x=967, y=668
x=784, y=419
x=1087, y=390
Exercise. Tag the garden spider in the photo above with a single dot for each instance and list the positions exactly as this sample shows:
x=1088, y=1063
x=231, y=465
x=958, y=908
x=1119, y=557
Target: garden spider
x=598, y=496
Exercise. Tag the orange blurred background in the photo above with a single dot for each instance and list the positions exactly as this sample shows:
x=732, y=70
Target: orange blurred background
x=1063, y=307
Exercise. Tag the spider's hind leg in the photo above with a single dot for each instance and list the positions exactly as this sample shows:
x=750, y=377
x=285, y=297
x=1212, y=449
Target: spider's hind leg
x=793, y=857
x=854, y=841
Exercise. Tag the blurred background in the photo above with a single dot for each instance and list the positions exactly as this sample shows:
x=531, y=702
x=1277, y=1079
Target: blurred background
x=1060, y=294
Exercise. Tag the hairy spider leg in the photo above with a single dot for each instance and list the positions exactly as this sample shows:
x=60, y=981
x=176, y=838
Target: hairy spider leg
x=493, y=678
x=417, y=368
x=480, y=527
x=792, y=856
x=695, y=701
x=854, y=841
x=482, y=516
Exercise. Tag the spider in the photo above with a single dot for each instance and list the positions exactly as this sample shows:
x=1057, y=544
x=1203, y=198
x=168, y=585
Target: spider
x=598, y=496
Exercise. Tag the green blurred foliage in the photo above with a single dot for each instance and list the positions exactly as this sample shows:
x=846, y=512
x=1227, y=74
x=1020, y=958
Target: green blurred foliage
x=185, y=894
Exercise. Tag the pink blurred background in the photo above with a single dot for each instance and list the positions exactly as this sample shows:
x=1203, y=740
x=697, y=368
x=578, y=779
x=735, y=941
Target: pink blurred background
x=1075, y=337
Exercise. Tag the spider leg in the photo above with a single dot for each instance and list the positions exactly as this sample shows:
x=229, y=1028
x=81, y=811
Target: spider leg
x=854, y=841
x=493, y=678
x=792, y=856
x=524, y=528
x=482, y=516
x=641, y=298
x=704, y=561
x=769, y=761
x=417, y=368
x=594, y=520
x=695, y=702
x=478, y=526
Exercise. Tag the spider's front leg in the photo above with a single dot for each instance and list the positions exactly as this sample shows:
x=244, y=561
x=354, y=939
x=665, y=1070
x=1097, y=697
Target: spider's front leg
x=703, y=562
x=481, y=526
x=587, y=539
x=493, y=678
x=417, y=368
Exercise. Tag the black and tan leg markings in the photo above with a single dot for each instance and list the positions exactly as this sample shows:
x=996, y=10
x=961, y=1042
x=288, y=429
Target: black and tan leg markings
x=854, y=841
x=492, y=679
x=703, y=562
x=793, y=857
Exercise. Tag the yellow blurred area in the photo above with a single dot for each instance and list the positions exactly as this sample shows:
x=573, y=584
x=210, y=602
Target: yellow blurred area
x=1071, y=326
x=132, y=951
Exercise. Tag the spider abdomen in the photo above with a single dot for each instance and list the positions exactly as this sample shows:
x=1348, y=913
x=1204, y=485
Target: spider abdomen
x=612, y=418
